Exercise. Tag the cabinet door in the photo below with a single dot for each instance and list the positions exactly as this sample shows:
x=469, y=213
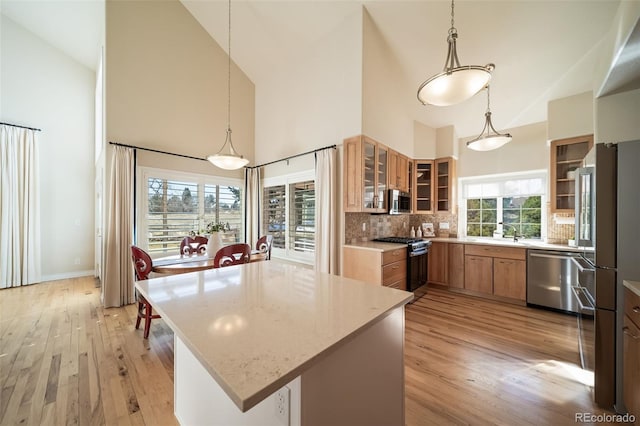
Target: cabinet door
x=423, y=184
x=393, y=170
x=437, y=267
x=478, y=274
x=566, y=156
x=456, y=265
x=352, y=174
x=510, y=278
x=382, y=156
x=369, y=175
x=631, y=367
x=444, y=190
x=402, y=170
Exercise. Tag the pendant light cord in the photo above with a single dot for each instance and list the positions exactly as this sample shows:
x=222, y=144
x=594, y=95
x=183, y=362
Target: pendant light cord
x=453, y=28
x=488, y=98
x=229, y=73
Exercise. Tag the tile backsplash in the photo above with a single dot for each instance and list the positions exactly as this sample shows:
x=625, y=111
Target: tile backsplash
x=385, y=225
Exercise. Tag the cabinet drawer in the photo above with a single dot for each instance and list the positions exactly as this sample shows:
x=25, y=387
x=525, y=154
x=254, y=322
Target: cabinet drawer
x=396, y=271
x=632, y=306
x=400, y=285
x=394, y=255
x=496, y=251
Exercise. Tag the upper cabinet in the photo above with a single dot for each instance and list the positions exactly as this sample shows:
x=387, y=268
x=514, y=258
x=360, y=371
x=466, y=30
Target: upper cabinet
x=445, y=191
x=398, y=171
x=365, y=175
x=566, y=157
x=423, y=186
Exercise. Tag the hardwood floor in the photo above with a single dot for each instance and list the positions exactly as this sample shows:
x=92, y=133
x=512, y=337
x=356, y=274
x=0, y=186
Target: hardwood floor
x=66, y=360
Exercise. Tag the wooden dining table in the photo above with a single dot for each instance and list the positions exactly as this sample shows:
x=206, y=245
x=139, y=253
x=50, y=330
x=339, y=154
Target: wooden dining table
x=180, y=264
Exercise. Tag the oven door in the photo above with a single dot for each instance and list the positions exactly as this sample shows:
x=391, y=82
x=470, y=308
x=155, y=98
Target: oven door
x=586, y=326
x=417, y=269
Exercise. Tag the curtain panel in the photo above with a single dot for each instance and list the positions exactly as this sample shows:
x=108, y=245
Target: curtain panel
x=19, y=207
x=326, y=250
x=118, y=289
x=253, y=204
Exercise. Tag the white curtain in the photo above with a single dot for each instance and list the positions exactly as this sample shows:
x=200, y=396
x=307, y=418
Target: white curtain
x=19, y=207
x=118, y=287
x=253, y=205
x=326, y=212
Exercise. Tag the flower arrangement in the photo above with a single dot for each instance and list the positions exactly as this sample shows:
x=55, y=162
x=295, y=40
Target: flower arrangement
x=210, y=228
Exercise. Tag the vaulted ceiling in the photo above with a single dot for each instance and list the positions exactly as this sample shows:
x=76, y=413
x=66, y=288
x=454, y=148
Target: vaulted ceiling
x=543, y=50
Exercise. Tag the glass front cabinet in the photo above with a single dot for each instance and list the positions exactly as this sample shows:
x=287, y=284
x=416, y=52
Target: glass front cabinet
x=365, y=175
x=566, y=157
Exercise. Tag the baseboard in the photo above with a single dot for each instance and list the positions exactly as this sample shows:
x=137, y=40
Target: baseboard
x=67, y=275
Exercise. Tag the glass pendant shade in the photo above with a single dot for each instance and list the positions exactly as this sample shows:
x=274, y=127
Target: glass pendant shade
x=228, y=158
x=455, y=83
x=489, y=141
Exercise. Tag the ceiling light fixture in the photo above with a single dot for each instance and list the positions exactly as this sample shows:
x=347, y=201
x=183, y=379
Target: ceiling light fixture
x=455, y=83
x=488, y=141
x=228, y=158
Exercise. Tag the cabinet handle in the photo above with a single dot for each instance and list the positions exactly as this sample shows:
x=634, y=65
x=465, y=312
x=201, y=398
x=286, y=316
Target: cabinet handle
x=626, y=331
x=636, y=309
x=395, y=267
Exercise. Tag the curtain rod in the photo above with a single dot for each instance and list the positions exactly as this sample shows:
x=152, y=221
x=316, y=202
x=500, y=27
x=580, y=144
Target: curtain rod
x=22, y=127
x=293, y=156
x=155, y=150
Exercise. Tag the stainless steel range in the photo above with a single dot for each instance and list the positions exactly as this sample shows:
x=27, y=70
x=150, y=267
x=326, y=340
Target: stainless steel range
x=417, y=261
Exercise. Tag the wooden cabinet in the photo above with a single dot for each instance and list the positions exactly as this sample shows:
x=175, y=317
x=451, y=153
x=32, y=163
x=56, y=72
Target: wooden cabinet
x=398, y=171
x=566, y=156
x=631, y=353
x=478, y=273
x=437, y=272
x=388, y=268
x=507, y=273
x=423, y=186
x=495, y=270
x=445, y=193
x=456, y=265
x=365, y=175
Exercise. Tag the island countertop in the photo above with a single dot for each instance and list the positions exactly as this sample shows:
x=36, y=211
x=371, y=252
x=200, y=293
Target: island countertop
x=257, y=326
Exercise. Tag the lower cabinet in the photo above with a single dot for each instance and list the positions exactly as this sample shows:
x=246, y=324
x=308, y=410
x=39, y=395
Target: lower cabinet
x=631, y=354
x=388, y=268
x=496, y=270
x=456, y=265
x=438, y=259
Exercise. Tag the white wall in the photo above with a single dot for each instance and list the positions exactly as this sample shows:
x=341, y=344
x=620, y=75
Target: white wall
x=385, y=117
x=314, y=99
x=527, y=151
x=424, y=141
x=617, y=117
x=44, y=88
x=570, y=117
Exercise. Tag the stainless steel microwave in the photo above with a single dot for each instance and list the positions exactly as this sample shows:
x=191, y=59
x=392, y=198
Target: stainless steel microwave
x=399, y=202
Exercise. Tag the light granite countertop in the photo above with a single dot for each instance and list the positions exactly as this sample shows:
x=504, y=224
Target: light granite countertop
x=530, y=244
x=634, y=286
x=256, y=327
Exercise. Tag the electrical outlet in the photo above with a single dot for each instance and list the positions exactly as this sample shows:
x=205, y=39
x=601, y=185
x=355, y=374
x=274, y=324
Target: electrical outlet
x=364, y=226
x=76, y=261
x=444, y=225
x=282, y=405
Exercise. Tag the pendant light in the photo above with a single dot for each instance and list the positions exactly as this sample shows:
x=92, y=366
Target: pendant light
x=228, y=158
x=455, y=83
x=489, y=141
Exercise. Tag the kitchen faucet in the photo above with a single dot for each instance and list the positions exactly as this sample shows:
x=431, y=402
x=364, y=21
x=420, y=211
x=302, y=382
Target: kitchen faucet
x=515, y=231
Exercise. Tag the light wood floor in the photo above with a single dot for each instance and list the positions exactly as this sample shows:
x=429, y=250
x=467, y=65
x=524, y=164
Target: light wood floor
x=66, y=360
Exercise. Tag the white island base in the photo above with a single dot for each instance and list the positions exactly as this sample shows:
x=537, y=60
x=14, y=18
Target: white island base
x=360, y=381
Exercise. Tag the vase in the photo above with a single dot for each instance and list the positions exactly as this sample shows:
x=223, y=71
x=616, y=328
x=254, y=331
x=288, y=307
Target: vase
x=214, y=244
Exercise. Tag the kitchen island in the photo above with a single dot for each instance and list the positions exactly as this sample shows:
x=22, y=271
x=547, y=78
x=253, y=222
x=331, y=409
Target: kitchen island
x=269, y=343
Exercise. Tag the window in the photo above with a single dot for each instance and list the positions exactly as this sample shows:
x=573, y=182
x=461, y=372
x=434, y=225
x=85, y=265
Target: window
x=289, y=205
x=173, y=204
x=508, y=203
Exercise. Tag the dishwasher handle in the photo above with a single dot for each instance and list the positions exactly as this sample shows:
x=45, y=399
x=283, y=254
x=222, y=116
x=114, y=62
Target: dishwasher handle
x=552, y=256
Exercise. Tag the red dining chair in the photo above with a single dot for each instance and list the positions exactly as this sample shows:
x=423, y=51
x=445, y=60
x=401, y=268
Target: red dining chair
x=234, y=254
x=142, y=265
x=186, y=246
x=264, y=245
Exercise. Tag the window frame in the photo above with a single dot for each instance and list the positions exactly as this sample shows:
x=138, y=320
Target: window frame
x=500, y=178
x=287, y=253
x=143, y=173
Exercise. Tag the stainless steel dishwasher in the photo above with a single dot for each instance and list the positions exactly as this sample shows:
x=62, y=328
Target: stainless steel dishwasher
x=550, y=276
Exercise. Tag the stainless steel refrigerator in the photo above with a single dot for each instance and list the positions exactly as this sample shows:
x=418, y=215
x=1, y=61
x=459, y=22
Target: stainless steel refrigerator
x=607, y=232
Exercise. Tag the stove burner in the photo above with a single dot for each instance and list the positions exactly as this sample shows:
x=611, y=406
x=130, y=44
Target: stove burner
x=399, y=240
